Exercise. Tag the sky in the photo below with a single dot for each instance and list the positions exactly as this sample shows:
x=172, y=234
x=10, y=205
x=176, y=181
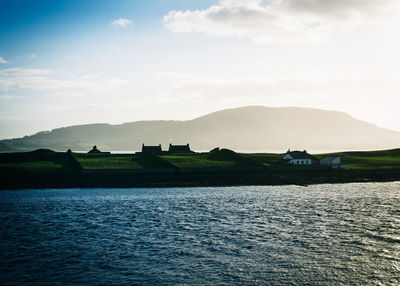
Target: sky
x=77, y=62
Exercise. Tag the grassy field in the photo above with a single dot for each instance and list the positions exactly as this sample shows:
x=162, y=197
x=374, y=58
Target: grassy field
x=386, y=159
x=36, y=162
x=39, y=167
x=202, y=160
x=267, y=159
x=49, y=162
x=107, y=161
x=120, y=161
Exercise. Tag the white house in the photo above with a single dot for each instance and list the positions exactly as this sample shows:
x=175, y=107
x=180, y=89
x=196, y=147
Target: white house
x=331, y=161
x=298, y=158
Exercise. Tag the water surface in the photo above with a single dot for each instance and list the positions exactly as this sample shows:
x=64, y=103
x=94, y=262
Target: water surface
x=346, y=234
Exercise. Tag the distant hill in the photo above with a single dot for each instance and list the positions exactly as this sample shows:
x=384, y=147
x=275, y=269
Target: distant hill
x=245, y=128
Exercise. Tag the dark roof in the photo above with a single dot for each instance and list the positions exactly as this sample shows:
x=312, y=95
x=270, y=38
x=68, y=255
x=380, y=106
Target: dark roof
x=301, y=155
x=179, y=148
x=330, y=157
x=94, y=150
x=151, y=149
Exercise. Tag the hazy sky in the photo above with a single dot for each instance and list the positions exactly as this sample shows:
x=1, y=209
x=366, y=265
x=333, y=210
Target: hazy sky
x=75, y=62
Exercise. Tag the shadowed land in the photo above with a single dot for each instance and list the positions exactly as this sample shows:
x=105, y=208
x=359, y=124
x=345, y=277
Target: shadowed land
x=46, y=168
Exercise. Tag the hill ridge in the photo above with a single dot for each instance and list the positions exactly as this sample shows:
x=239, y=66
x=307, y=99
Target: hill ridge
x=240, y=128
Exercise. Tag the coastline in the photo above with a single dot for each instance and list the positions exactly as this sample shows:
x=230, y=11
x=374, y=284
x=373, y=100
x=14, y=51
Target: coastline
x=198, y=179
x=48, y=169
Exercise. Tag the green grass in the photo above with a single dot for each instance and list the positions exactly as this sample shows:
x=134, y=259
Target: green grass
x=36, y=162
x=47, y=161
x=267, y=159
x=37, y=167
x=199, y=160
x=108, y=161
x=120, y=161
x=386, y=159
x=145, y=161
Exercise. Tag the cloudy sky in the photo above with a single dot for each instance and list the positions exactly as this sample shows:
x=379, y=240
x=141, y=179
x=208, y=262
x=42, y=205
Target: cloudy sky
x=76, y=62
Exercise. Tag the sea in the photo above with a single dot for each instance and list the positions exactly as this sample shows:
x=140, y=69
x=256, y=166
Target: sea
x=332, y=234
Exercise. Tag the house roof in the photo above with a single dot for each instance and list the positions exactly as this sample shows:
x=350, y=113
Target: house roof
x=94, y=150
x=151, y=148
x=179, y=148
x=330, y=157
x=301, y=155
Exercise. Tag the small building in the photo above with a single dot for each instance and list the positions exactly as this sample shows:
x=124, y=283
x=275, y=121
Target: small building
x=179, y=149
x=94, y=150
x=331, y=161
x=152, y=149
x=298, y=158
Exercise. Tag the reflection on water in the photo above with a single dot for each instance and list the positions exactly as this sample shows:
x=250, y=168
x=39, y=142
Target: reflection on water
x=288, y=235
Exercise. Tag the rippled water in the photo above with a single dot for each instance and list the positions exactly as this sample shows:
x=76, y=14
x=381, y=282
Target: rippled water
x=345, y=234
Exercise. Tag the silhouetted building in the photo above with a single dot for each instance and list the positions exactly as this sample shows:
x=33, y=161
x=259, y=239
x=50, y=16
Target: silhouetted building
x=94, y=150
x=151, y=149
x=179, y=149
x=298, y=158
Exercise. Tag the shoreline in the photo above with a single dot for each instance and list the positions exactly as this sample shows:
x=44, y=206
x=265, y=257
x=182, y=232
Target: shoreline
x=227, y=179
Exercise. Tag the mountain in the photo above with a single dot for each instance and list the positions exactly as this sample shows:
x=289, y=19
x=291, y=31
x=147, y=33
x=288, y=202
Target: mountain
x=246, y=128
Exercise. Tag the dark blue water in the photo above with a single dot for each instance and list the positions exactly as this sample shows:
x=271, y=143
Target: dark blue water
x=320, y=235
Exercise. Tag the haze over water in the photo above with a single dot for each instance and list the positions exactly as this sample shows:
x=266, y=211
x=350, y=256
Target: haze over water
x=347, y=234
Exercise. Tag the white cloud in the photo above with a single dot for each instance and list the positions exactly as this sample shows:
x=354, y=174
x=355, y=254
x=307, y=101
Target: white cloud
x=71, y=58
x=15, y=72
x=41, y=79
x=27, y=56
x=7, y=96
x=3, y=61
x=121, y=22
x=278, y=20
x=310, y=90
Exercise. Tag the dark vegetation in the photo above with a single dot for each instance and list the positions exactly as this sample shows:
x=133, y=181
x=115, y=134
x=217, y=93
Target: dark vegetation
x=356, y=160
x=120, y=161
x=223, y=158
x=46, y=168
x=372, y=160
x=42, y=161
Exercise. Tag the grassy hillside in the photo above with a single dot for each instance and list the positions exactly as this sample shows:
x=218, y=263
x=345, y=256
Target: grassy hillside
x=386, y=159
x=267, y=159
x=121, y=161
x=106, y=161
x=200, y=160
x=49, y=162
x=37, y=162
x=223, y=158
